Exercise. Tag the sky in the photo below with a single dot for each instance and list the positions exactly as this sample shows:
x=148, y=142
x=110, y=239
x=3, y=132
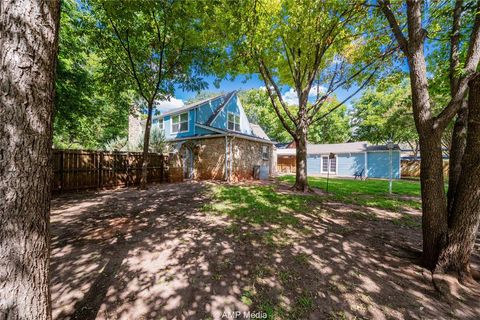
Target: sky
x=245, y=83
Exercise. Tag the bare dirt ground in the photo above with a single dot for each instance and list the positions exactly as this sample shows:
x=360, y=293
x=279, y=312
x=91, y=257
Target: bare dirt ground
x=155, y=254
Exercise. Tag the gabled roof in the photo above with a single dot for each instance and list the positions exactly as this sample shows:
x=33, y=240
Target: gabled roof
x=382, y=147
x=337, y=147
x=212, y=117
x=235, y=133
x=258, y=131
x=349, y=147
x=190, y=106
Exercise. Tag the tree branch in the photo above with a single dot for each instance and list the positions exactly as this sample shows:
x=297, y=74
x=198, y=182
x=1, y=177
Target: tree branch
x=316, y=106
x=126, y=47
x=402, y=41
x=370, y=77
x=267, y=76
x=271, y=95
x=454, y=46
x=473, y=56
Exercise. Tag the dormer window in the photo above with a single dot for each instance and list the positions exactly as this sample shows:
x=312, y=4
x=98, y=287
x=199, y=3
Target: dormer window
x=180, y=123
x=233, y=122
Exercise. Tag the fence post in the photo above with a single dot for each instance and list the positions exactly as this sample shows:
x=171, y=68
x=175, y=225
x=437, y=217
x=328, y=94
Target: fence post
x=128, y=168
x=61, y=171
x=100, y=169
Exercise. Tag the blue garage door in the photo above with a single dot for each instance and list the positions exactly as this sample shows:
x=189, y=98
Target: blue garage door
x=313, y=164
x=379, y=164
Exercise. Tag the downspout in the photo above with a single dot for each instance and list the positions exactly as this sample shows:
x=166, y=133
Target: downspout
x=226, y=158
x=230, y=167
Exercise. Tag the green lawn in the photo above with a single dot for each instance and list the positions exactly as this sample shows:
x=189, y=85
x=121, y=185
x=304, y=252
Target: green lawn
x=369, y=192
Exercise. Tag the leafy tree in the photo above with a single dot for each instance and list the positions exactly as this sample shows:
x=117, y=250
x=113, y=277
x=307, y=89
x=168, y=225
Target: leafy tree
x=153, y=46
x=333, y=129
x=203, y=95
x=384, y=113
x=449, y=228
x=303, y=44
x=28, y=55
x=88, y=110
x=259, y=110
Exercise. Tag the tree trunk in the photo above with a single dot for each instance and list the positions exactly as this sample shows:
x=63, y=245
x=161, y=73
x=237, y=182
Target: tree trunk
x=146, y=145
x=301, y=181
x=28, y=51
x=466, y=204
x=434, y=202
x=459, y=139
x=434, y=209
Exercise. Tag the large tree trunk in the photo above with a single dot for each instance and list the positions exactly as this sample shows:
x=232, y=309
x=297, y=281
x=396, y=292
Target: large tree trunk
x=301, y=181
x=434, y=208
x=465, y=215
x=146, y=145
x=457, y=149
x=434, y=202
x=28, y=51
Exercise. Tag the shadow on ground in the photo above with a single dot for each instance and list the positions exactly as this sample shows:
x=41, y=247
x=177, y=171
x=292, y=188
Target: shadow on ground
x=174, y=252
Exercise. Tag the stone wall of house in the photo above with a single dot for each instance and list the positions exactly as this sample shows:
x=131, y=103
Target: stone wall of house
x=135, y=129
x=175, y=169
x=209, y=158
x=247, y=154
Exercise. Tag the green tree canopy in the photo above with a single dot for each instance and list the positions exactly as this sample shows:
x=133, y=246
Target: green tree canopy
x=257, y=105
x=88, y=110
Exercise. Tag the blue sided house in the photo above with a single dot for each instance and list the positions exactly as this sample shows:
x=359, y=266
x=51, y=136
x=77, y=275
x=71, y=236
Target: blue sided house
x=345, y=160
x=213, y=139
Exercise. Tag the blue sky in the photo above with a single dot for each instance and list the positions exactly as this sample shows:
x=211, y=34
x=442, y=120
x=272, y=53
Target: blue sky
x=243, y=83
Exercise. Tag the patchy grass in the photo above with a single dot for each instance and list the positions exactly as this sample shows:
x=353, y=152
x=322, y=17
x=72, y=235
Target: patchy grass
x=408, y=221
x=372, y=193
x=257, y=204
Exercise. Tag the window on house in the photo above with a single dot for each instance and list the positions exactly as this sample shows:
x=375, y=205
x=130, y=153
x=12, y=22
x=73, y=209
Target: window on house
x=333, y=165
x=324, y=164
x=233, y=122
x=329, y=164
x=265, y=152
x=180, y=122
x=160, y=124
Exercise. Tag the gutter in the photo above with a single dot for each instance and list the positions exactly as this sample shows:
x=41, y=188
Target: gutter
x=223, y=134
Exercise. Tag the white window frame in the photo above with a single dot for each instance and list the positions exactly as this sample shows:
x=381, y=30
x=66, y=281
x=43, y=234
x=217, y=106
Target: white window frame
x=161, y=124
x=329, y=166
x=180, y=117
x=265, y=153
x=234, y=123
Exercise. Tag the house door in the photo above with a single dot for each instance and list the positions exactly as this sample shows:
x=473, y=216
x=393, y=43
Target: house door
x=188, y=163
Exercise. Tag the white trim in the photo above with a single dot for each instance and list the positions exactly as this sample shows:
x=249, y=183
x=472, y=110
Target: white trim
x=239, y=121
x=244, y=136
x=366, y=165
x=224, y=104
x=194, y=119
x=210, y=128
x=180, y=115
x=328, y=164
x=396, y=150
x=267, y=152
x=400, y=166
x=224, y=134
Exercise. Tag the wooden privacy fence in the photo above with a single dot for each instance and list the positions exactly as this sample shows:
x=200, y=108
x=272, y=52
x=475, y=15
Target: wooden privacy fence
x=411, y=168
x=83, y=169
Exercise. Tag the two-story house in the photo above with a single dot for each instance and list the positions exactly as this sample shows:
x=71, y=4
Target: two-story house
x=214, y=140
